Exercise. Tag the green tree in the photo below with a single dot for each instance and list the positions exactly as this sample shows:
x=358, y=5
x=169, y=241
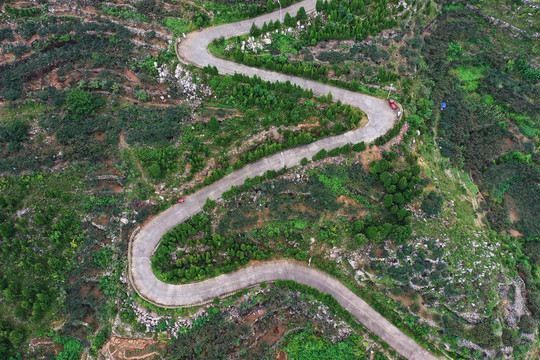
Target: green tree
x=301, y=15
x=270, y=5
x=155, y=171
x=17, y=336
x=82, y=103
x=142, y=95
x=432, y=204
x=209, y=204
x=213, y=124
x=388, y=201
x=7, y=229
x=289, y=20
x=360, y=239
x=319, y=6
x=254, y=31
x=398, y=199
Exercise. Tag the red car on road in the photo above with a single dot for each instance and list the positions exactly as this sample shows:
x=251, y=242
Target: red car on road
x=181, y=201
x=392, y=103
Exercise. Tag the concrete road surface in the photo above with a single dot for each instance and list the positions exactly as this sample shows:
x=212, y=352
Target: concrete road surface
x=193, y=49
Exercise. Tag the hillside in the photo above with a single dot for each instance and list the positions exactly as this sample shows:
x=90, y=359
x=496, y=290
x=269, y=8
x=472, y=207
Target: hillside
x=435, y=225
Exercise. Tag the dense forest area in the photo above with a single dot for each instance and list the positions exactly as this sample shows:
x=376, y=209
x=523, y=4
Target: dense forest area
x=435, y=224
x=491, y=124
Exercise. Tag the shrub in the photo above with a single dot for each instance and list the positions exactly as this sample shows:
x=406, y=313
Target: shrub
x=209, y=204
x=14, y=131
x=527, y=324
x=142, y=95
x=361, y=146
x=82, y=103
x=415, y=308
x=432, y=204
x=320, y=155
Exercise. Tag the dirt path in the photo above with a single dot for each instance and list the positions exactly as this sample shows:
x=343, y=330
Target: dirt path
x=124, y=145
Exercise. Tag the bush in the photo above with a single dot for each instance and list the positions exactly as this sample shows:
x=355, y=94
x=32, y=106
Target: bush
x=320, y=155
x=209, y=204
x=527, y=324
x=15, y=131
x=142, y=96
x=304, y=161
x=508, y=338
x=432, y=204
x=361, y=146
x=82, y=103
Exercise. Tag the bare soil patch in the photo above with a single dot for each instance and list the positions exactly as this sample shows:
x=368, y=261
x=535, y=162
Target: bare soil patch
x=372, y=153
x=515, y=233
x=347, y=201
x=117, y=348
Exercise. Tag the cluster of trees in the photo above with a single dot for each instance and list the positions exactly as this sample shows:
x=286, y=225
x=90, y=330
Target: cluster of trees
x=514, y=178
x=199, y=252
x=39, y=247
x=11, y=338
x=152, y=125
x=159, y=160
x=400, y=188
x=475, y=134
x=411, y=323
x=343, y=20
x=281, y=103
x=251, y=182
x=23, y=12
x=349, y=20
x=14, y=132
x=226, y=11
x=6, y=34
x=326, y=299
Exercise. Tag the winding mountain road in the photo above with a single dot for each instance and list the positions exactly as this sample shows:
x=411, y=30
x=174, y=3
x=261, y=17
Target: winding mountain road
x=144, y=242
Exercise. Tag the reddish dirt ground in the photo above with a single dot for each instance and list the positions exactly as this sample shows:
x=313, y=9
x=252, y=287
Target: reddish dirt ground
x=118, y=348
x=131, y=76
x=370, y=154
x=88, y=289
x=102, y=220
x=347, y=201
x=116, y=188
x=515, y=233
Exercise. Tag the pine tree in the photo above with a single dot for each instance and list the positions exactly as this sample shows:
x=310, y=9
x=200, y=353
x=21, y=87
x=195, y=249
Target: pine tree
x=301, y=15
x=254, y=31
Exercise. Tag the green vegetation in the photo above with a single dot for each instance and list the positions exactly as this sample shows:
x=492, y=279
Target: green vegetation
x=287, y=307
x=95, y=137
x=306, y=345
x=240, y=237
x=481, y=122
